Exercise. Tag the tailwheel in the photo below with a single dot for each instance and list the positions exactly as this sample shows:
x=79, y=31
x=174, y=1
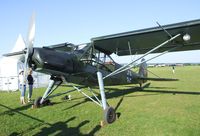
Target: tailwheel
x=109, y=115
x=37, y=103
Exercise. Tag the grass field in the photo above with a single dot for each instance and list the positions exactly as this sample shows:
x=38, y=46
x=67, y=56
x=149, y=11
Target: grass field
x=164, y=108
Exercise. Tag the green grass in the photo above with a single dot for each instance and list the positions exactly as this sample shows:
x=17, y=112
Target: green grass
x=164, y=108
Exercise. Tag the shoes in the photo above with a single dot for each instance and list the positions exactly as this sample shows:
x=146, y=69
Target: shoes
x=29, y=99
x=22, y=100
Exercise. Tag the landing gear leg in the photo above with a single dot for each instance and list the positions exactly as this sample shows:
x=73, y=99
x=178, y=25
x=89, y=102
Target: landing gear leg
x=51, y=87
x=109, y=112
x=41, y=100
x=48, y=91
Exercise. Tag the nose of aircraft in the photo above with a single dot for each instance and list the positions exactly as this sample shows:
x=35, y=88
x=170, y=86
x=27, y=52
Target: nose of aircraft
x=52, y=60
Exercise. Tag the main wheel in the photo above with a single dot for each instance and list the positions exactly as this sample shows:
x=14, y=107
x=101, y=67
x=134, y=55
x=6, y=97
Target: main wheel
x=37, y=103
x=109, y=115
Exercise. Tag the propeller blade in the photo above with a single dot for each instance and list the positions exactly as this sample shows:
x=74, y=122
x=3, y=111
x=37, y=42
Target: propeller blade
x=25, y=68
x=31, y=35
x=29, y=45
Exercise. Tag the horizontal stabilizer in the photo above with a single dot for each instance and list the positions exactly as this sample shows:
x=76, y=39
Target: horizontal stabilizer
x=158, y=79
x=16, y=55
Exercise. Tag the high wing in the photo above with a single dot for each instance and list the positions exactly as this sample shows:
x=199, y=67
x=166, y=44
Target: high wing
x=141, y=41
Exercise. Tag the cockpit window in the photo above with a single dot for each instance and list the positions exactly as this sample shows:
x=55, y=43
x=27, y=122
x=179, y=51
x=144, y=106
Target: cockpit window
x=98, y=59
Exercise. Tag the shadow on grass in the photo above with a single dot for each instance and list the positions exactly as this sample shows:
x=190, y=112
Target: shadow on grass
x=108, y=96
x=116, y=92
x=17, y=111
x=117, y=106
x=111, y=93
x=12, y=111
x=172, y=92
x=62, y=129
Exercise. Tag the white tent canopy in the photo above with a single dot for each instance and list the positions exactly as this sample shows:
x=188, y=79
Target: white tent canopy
x=9, y=69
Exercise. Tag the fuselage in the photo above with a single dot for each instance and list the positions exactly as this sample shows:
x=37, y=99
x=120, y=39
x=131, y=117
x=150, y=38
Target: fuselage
x=83, y=72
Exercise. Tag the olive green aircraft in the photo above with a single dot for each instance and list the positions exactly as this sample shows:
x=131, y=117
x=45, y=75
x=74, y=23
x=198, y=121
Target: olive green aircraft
x=91, y=64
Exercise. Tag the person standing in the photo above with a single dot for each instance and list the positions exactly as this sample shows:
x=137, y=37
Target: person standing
x=173, y=69
x=22, y=86
x=30, y=84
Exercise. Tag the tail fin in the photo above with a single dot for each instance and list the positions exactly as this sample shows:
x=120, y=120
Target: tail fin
x=143, y=69
x=143, y=73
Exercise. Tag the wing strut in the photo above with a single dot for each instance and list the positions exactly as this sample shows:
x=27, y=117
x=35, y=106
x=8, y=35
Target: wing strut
x=158, y=55
x=126, y=67
x=129, y=47
x=164, y=30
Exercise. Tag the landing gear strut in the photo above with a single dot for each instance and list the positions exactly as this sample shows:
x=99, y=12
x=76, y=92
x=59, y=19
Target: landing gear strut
x=40, y=101
x=109, y=112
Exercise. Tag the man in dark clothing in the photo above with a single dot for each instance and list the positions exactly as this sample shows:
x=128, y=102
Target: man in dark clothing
x=30, y=84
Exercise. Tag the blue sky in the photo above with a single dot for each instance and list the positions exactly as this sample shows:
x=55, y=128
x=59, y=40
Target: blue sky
x=78, y=21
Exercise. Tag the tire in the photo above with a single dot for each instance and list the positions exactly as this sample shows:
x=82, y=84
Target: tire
x=37, y=102
x=109, y=115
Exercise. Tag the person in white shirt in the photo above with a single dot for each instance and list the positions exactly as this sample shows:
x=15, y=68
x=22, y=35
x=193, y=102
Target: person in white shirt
x=30, y=84
x=22, y=87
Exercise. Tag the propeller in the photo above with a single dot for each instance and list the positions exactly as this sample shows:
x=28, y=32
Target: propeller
x=26, y=54
x=29, y=45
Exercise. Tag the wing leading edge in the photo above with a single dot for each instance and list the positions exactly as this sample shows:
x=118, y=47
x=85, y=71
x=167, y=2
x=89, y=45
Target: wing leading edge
x=141, y=41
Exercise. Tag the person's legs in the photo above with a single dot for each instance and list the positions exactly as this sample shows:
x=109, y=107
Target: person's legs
x=30, y=92
x=23, y=91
